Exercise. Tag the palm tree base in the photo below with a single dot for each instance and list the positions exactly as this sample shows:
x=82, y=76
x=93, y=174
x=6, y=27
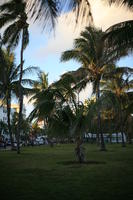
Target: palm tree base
x=103, y=149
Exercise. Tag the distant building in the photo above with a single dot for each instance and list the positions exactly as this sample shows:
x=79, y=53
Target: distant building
x=107, y=137
x=3, y=111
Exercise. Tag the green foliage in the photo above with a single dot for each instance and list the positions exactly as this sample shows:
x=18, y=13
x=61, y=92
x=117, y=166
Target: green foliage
x=14, y=15
x=3, y=127
x=25, y=126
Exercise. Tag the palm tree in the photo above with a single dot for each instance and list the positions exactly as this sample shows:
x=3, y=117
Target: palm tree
x=7, y=85
x=117, y=87
x=95, y=58
x=39, y=88
x=14, y=14
x=9, y=82
x=42, y=82
x=65, y=116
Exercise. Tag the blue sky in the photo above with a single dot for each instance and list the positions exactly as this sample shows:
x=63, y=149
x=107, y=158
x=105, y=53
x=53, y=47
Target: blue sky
x=44, y=49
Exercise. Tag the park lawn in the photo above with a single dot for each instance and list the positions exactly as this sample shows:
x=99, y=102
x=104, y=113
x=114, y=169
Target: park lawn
x=45, y=173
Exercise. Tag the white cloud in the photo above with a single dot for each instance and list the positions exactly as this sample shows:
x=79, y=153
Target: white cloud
x=86, y=93
x=64, y=35
x=104, y=16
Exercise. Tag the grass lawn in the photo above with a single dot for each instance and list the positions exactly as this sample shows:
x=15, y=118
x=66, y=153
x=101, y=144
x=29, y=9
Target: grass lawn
x=45, y=173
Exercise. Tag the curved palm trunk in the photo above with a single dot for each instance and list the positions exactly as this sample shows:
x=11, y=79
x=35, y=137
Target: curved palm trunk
x=8, y=104
x=20, y=95
x=99, y=121
x=79, y=151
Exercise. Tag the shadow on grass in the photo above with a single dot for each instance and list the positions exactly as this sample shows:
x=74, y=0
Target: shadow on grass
x=91, y=162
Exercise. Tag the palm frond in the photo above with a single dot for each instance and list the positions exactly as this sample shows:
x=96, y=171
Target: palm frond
x=120, y=35
x=46, y=10
x=6, y=18
x=128, y=3
x=30, y=70
x=11, y=35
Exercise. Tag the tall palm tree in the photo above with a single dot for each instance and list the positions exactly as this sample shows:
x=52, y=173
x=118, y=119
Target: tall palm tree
x=95, y=58
x=13, y=14
x=117, y=87
x=7, y=85
x=9, y=82
x=58, y=104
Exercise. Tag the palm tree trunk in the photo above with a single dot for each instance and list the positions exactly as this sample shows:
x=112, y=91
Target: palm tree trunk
x=99, y=121
x=129, y=138
x=117, y=138
x=97, y=138
x=123, y=141
x=79, y=152
x=8, y=104
x=20, y=95
x=121, y=128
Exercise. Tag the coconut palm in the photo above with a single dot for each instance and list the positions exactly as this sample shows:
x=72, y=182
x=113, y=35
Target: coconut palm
x=9, y=82
x=65, y=117
x=69, y=123
x=46, y=98
x=117, y=87
x=95, y=58
x=13, y=14
x=7, y=85
x=42, y=82
x=39, y=88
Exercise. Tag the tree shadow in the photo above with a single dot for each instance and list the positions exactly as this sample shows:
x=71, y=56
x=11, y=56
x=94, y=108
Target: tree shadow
x=90, y=162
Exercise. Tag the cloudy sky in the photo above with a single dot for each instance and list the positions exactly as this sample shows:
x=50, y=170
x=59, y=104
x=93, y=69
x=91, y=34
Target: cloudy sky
x=45, y=49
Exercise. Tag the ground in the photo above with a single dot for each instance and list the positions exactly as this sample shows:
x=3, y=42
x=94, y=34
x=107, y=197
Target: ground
x=45, y=173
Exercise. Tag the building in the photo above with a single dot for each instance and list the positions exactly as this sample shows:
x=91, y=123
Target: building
x=3, y=111
x=107, y=137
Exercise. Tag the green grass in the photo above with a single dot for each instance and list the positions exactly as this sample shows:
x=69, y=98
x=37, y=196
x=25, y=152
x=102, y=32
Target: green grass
x=44, y=173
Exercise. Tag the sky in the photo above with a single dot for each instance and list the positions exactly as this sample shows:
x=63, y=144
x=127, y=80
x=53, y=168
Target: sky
x=44, y=49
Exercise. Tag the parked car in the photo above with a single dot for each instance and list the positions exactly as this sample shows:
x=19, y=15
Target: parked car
x=41, y=140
